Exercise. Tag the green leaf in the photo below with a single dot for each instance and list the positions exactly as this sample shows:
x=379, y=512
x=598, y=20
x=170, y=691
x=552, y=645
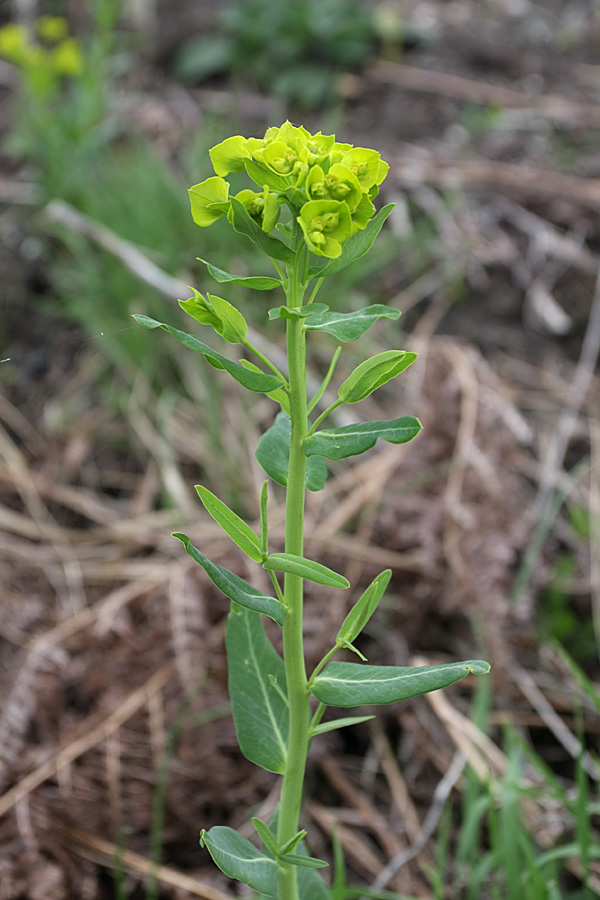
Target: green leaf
x=209, y=201
x=235, y=587
x=305, y=568
x=350, y=440
x=265, y=177
x=232, y=326
x=373, y=373
x=260, y=712
x=253, y=381
x=293, y=841
x=298, y=312
x=244, y=224
x=356, y=246
x=353, y=684
x=238, y=530
x=273, y=454
x=264, y=525
x=339, y=723
x=239, y=859
x=350, y=326
x=266, y=836
x=279, y=396
x=364, y=608
x=256, y=282
x=307, y=862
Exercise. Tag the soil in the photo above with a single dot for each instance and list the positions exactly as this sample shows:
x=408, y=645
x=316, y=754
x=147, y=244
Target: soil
x=112, y=669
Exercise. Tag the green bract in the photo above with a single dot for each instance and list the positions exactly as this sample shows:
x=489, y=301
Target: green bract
x=296, y=169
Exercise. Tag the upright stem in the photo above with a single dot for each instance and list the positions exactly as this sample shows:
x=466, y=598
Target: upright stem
x=293, y=644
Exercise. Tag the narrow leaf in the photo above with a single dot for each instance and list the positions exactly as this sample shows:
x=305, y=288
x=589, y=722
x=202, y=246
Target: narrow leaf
x=266, y=836
x=279, y=396
x=273, y=454
x=235, y=587
x=264, y=524
x=357, y=245
x=340, y=723
x=239, y=859
x=260, y=713
x=364, y=608
x=293, y=842
x=307, y=862
x=297, y=312
x=350, y=440
x=256, y=282
x=373, y=373
x=238, y=530
x=350, y=326
x=353, y=684
x=305, y=568
x=273, y=247
x=253, y=381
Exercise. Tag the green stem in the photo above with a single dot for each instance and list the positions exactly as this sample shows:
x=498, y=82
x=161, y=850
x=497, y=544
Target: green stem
x=293, y=644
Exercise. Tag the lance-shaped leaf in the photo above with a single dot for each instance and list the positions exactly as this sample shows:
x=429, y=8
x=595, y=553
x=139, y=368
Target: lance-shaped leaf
x=350, y=326
x=364, y=608
x=373, y=373
x=244, y=224
x=350, y=440
x=357, y=245
x=256, y=282
x=273, y=454
x=253, y=381
x=300, y=312
x=235, y=587
x=238, y=530
x=334, y=724
x=239, y=859
x=305, y=568
x=353, y=684
x=257, y=686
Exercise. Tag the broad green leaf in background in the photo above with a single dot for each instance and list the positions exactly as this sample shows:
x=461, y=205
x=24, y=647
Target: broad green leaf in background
x=239, y=859
x=364, y=608
x=373, y=373
x=260, y=712
x=349, y=326
x=253, y=381
x=353, y=684
x=350, y=440
x=273, y=454
x=256, y=282
x=235, y=587
x=305, y=568
x=244, y=224
x=357, y=245
x=238, y=530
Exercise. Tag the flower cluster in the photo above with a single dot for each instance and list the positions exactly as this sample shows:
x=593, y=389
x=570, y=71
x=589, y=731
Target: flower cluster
x=45, y=59
x=329, y=187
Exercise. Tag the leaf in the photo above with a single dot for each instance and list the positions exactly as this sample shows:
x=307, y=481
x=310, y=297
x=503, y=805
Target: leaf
x=340, y=723
x=373, y=373
x=266, y=836
x=260, y=713
x=235, y=587
x=273, y=454
x=279, y=396
x=350, y=326
x=350, y=440
x=364, y=608
x=265, y=177
x=244, y=224
x=353, y=684
x=232, y=326
x=256, y=282
x=239, y=859
x=298, y=312
x=238, y=530
x=264, y=524
x=305, y=568
x=356, y=246
x=253, y=381
x=307, y=862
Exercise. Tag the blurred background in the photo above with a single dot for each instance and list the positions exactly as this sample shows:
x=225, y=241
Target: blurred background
x=116, y=742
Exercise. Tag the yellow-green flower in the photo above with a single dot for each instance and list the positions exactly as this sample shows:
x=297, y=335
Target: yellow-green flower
x=229, y=155
x=326, y=225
